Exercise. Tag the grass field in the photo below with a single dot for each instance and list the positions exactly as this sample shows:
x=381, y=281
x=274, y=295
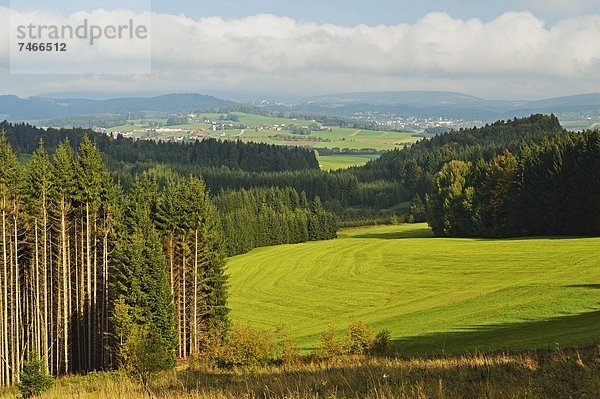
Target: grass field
x=331, y=162
x=433, y=294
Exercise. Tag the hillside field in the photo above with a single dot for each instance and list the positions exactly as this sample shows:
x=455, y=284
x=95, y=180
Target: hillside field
x=262, y=129
x=433, y=294
x=333, y=162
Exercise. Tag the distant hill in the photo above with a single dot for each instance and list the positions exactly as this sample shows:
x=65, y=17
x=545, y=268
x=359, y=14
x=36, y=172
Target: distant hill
x=36, y=108
x=420, y=104
x=431, y=104
x=426, y=98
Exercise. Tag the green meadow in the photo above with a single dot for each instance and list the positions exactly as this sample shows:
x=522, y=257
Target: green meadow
x=434, y=295
x=332, y=162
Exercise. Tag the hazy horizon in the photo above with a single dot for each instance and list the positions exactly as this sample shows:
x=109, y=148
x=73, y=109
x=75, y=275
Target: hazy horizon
x=250, y=96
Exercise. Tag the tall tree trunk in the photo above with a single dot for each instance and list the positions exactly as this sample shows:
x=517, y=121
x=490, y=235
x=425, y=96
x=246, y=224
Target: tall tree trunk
x=38, y=313
x=171, y=262
x=82, y=297
x=105, y=295
x=196, y=291
x=45, y=271
x=70, y=298
x=184, y=314
x=177, y=297
x=88, y=248
x=65, y=277
x=18, y=331
x=13, y=352
x=52, y=314
x=78, y=335
x=59, y=308
x=5, y=332
x=96, y=331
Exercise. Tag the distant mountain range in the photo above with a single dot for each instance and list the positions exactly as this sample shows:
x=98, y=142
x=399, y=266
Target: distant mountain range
x=422, y=104
x=37, y=108
x=428, y=104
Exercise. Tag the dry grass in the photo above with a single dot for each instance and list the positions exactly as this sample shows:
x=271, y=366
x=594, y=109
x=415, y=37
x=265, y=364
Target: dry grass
x=541, y=374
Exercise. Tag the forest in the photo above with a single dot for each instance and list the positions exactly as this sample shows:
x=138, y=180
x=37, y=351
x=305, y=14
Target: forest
x=550, y=188
x=210, y=152
x=90, y=268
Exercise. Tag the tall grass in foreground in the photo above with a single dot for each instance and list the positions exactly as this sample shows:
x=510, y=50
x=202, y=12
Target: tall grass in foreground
x=540, y=374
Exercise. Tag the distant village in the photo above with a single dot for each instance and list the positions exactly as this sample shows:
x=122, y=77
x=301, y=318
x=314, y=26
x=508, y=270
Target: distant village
x=214, y=129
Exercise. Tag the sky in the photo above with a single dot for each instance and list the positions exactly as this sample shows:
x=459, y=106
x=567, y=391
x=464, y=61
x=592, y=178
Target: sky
x=511, y=49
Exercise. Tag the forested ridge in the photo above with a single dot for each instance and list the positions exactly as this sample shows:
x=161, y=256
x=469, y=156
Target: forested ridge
x=413, y=167
x=550, y=188
x=397, y=176
x=206, y=153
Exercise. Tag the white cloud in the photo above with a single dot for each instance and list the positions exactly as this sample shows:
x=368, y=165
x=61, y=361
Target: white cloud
x=509, y=56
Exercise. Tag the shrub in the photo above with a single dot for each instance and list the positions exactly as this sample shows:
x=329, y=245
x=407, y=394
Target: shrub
x=382, y=344
x=360, y=338
x=211, y=349
x=331, y=345
x=147, y=354
x=247, y=346
x=287, y=350
x=34, y=378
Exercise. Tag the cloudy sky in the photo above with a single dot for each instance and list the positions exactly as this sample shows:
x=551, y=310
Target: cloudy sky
x=513, y=49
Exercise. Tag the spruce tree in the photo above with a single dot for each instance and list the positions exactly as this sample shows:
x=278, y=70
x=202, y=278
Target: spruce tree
x=39, y=192
x=141, y=275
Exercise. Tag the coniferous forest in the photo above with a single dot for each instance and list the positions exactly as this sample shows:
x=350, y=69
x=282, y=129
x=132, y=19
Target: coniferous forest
x=86, y=264
x=550, y=188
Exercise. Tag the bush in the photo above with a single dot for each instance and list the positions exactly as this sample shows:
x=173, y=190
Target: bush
x=247, y=346
x=287, y=350
x=34, y=378
x=360, y=338
x=331, y=345
x=147, y=354
x=211, y=349
x=382, y=344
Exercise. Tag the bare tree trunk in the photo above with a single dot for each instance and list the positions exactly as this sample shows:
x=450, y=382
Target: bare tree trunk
x=52, y=315
x=196, y=291
x=184, y=315
x=82, y=297
x=77, y=334
x=45, y=267
x=13, y=352
x=177, y=297
x=38, y=313
x=96, y=330
x=63, y=247
x=70, y=296
x=105, y=294
x=5, y=333
x=59, y=307
x=18, y=331
x=89, y=285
